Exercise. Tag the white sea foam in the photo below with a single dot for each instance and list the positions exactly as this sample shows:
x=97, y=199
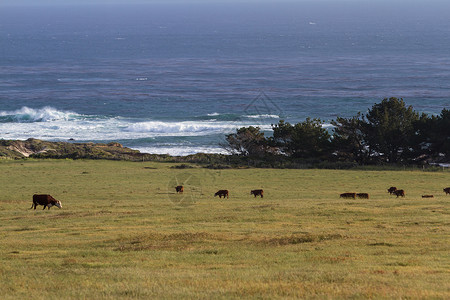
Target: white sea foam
x=263, y=116
x=52, y=124
x=180, y=151
x=179, y=128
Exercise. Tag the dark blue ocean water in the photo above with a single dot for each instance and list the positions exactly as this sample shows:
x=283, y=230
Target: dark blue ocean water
x=174, y=78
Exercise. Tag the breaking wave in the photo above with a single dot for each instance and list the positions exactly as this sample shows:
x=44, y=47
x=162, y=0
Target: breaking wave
x=30, y=115
x=263, y=116
x=237, y=117
x=188, y=127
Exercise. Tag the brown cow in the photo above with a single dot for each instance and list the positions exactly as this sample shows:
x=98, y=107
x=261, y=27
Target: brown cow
x=399, y=193
x=392, y=190
x=427, y=196
x=363, y=195
x=46, y=200
x=221, y=193
x=257, y=193
x=348, y=195
x=447, y=190
x=179, y=189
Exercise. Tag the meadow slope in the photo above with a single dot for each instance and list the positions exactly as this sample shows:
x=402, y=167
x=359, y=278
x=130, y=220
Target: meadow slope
x=123, y=232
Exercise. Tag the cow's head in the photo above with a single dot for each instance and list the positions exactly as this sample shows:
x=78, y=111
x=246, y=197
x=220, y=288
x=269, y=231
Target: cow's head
x=55, y=203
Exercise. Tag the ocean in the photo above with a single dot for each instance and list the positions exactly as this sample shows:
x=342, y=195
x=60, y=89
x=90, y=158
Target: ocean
x=176, y=78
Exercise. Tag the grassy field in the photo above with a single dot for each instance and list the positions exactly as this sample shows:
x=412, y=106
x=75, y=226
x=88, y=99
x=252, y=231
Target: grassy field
x=124, y=233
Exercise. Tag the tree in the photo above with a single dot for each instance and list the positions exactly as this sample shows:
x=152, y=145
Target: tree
x=433, y=137
x=390, y=129
x=247, y=141
x=442, y=143
x=349, y=139
x=306, y=139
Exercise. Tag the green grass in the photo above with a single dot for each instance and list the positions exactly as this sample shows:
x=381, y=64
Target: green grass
x=124, y=233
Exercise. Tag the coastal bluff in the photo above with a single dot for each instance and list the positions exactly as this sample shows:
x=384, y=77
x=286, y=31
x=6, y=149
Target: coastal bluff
x=34, y=148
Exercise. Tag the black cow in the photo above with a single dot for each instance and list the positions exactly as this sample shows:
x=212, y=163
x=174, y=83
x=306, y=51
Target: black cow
x=392, y=190
x=399, y=193
x=362, y=195
x=257, y=193
x=348, y=195
x=221, y=193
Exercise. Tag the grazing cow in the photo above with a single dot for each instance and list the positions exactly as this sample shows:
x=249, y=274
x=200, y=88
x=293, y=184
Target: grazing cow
x=363, y=195
x=257, y=193
x=348, y=195
x=179, y=189
x=399, y=193
x=447, y=190
x=427, y=196
x=46, y=200
x=221, y=193
x=392, y=190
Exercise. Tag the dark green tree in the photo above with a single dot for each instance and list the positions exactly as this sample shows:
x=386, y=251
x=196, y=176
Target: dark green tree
x=433, y=137
x=306, y=139
x=442, y=144
x=390, y=129
x=247, y=141
x=349, y=139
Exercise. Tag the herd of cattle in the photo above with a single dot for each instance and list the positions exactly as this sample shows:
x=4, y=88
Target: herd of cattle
x=392, y=190
x=354, y=195
x=49, y=201
x=224, y=193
